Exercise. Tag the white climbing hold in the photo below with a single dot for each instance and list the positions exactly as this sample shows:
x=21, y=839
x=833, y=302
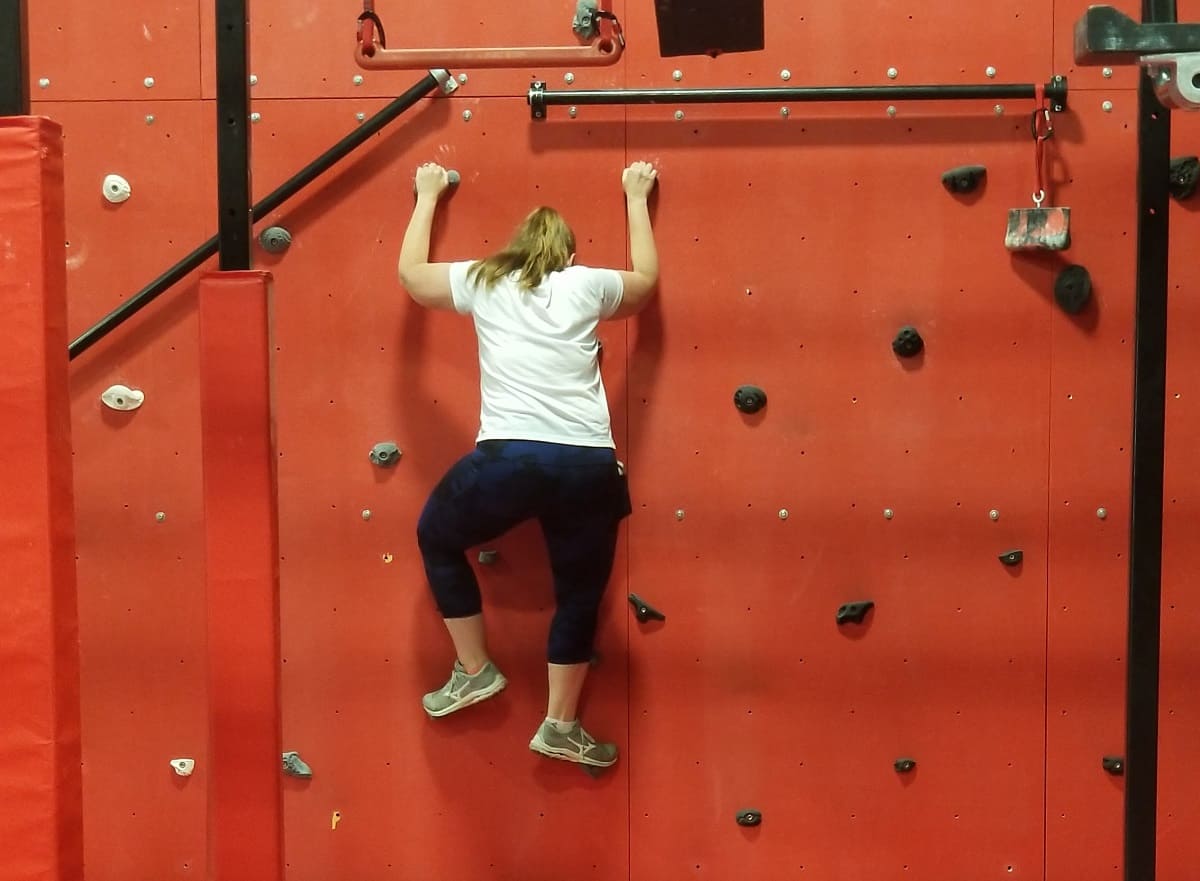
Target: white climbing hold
x=120, y=397
x=184, y=767
x=116, y=188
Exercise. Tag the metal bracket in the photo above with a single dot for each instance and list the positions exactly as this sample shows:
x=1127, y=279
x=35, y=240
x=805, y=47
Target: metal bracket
x=1056, y=91
x=445, y=80
x=1108, y=36
x=537, y=99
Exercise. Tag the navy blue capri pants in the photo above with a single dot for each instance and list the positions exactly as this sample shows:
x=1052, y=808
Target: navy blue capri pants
x=579, y=495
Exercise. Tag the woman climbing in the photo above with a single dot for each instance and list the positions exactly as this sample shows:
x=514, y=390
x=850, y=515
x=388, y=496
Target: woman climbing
x=544, y=449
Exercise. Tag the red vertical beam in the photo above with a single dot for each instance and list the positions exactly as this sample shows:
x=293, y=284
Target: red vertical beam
x=245, y=802
x=41, y=824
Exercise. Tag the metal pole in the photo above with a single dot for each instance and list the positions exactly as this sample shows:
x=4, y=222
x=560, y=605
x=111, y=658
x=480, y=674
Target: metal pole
x=234, y=225
x=540, y=97
x=285, y=191
x=14, y=59
x=1146, y=504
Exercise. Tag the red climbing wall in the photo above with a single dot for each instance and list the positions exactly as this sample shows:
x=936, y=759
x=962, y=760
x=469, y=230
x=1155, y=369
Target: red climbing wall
x=793, y=248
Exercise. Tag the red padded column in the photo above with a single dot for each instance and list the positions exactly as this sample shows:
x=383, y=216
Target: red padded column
x=242, y=557
x=41, y=837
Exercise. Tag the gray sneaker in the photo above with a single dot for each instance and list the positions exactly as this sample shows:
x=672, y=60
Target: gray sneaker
x=463, y=690
x=574, y=746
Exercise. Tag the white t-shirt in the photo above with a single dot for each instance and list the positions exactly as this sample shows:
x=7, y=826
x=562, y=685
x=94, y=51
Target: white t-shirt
x=539, y=371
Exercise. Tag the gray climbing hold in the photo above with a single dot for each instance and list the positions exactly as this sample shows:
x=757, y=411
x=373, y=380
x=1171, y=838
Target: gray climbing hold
x=294, y=766
x=385, y=454
x=275, y=239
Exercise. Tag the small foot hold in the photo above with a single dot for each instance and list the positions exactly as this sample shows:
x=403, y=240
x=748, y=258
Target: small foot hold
x=294, y=766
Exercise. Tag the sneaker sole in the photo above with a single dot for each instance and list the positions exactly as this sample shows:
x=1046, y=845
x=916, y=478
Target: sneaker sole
x=491, y=691
x=566, y=755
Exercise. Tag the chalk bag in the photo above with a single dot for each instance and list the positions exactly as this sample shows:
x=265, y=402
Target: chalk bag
x=1040, y=228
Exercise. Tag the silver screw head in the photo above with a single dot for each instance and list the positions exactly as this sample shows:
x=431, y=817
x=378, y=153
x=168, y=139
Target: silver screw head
x=679, y=114
x=254, y=79
x=149, y=119
x=999, y=108
x=785, y=74
x=888, y=514
x=44, y=82
x=462, y=78
x=893, y=73
x=148, y=82
x=360, y=116
x=160, y=516
x=358, y=79
x=785, y=112
x=991, y=72
x=677, y=75
x=1107, y=106
x=1108, y=72
x=573, y=112
x=994, y=514
x=891, y=111
x=467, y=115
x=569, y=77
x=679, y=514
x=255, y=116
x=784, y=514
x=366, y=514
x=1102, y=513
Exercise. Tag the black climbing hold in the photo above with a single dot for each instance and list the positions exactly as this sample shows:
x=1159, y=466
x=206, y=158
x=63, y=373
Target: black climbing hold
x=905, y=766
x=854, y=613
x=1073, y=289
x=908, y=342
x=386, y=454
x=749, y=399
x=1185, y=174
x=964, y=179
x=487, y=558
x=749, y=817
x=1114, y=765
x=644, y=611
x=1012, y=558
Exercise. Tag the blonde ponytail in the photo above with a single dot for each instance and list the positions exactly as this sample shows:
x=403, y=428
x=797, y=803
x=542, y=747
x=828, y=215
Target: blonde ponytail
x=542, y=244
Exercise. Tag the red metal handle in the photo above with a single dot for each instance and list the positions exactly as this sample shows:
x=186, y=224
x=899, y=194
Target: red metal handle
x=372, y=54
x=602, y=52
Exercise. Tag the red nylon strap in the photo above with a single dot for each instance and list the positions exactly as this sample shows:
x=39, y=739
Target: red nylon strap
x=1042, y=130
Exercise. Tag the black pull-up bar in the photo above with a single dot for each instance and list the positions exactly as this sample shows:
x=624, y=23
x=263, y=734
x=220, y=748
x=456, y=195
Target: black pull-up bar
x=433, y=80
x=1055, y=91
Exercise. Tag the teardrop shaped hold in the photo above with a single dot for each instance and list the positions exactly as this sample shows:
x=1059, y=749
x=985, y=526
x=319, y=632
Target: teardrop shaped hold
x=1185, y=174
x=908, y=342
x=1073, y=289
x=964, y=179
x=854, y=613
x=750, y=399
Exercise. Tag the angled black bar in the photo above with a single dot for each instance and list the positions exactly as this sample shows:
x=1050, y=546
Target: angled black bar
x=14, y=59
x=1108, y=36
x=234, y=224
x=540, y=97
x=285, y=191
x=1146, y=504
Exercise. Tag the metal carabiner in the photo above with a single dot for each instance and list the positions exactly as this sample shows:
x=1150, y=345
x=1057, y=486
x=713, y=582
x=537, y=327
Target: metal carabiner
x=364, y=34
x=616, y=23
x=1039, y=116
